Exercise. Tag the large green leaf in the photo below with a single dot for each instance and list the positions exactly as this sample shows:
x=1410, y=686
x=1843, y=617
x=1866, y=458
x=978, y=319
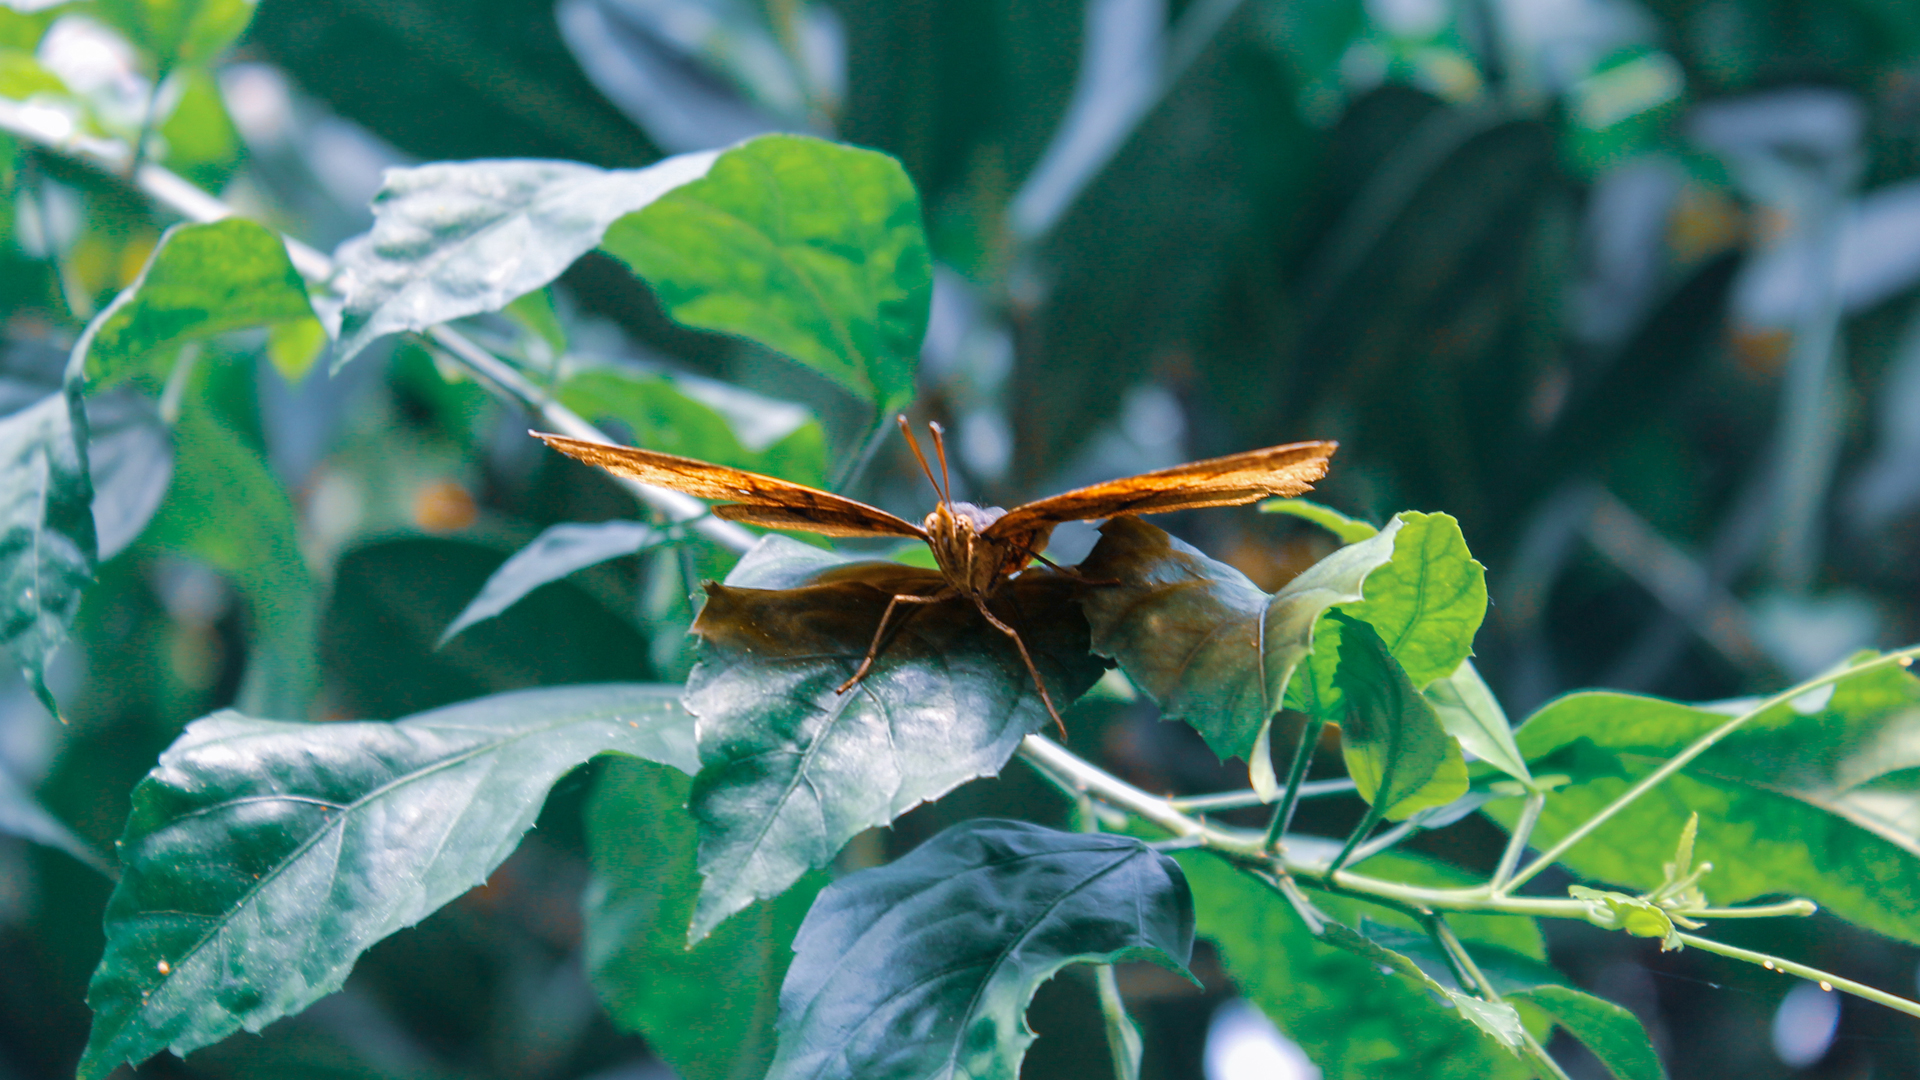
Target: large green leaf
x=47, y=545
x=1611, y=1032
x=1823, y=802
x=812, y=249
x=200, y=281
x=922, y=969
x=1426, y=603
x=262, y=857
x=558, y=551
x=708, y=1010
x=175, y=32
x=459, y=238
x=225, y=507
x=1353, y=1020
x=661, y=415
x=1206, y=643
x=1401, y=760
x=790, y=769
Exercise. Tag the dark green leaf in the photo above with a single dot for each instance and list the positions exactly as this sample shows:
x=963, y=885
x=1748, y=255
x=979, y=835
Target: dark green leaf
x=1819, y=801
x=923, y=968
x=1349, y=530
x=1204, y=642
x=1333, y=1001
x=47, y=545
x=1611, y=1032
x=460, y=238
x=812, y=249
x=790, y=769
x=1426, y=603
x=661, y=414
x=201, y=280
x=22, y=815
x=552, y=555
x=175, y=32
x=1399, y=756
x=130, y=458
x=226, y=508
x=707, y=1011
x=262, y=857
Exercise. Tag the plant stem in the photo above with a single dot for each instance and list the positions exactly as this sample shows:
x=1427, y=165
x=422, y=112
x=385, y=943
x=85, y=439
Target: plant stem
x=1123, y=1037
x=1247, y=797
x=1517, y=843
x=1679, y=761
x=1296, y=777
x=1826, y=978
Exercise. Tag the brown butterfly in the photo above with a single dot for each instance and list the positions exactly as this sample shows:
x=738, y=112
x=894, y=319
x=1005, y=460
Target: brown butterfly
x=976, y=547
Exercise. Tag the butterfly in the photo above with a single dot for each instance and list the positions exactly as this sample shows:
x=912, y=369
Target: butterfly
x=976, y=547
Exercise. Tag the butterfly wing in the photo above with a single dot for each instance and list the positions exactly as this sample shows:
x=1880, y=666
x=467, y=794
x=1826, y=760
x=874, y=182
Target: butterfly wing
x=745, y=496
x=1277, y=471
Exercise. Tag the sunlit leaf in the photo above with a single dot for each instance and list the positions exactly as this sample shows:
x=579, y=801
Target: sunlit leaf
x=176, y=32
x=813, y=249
x=200, y=281
x=923, y=968
x=555, y=553
x=47, y=540
x=1426, y=603
x=459, y=238
x=1206, y=643
x=707, y=1011
x=262, y=857
x=1400, y=758
x=1349, y=530
x=295, y=346
x=1822, y=803
x=661, y=414
x=1353, y=1021
x=1470, y=713
x=790, y=769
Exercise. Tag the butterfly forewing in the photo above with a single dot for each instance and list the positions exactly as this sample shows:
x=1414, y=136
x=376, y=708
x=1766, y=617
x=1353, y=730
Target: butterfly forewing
x=1277, y=471
x=748, y=497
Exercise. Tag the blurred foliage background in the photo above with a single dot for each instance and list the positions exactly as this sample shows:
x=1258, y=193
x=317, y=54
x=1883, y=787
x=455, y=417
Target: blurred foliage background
x=1627, y=287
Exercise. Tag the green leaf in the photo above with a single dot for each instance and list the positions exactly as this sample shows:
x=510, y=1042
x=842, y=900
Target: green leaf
x=22, y=815
x=22, y=76
x=226, y=508
x=262, y=857
x=177, y=32
x=791, y=769
x=1819, y=800
x=295, y=346
x=924, y=968
x=707, y=1011
x=555, y=553
x=459, y=238
x=1401, y=759
x=1349, y=530
x=662, y=415
x=130, y=459
x=1426, y=603
x=536, y=315
x=200, y=281
x=1470, y=713
x=812, y=249
x=47, y=542
x=1611, y=1032
x=1204, y=642
x=1353, y=1023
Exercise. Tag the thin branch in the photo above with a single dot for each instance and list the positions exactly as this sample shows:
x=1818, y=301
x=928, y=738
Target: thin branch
x=1827, y=979
x=1296, y=779
x=1517, y=843
x=1903, y=657
x=1247, y=797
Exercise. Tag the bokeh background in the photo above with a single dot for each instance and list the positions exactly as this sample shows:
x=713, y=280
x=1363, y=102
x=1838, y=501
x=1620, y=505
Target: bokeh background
x=1627, y=287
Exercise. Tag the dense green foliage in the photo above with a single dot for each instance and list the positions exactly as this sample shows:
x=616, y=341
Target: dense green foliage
x=253, y=494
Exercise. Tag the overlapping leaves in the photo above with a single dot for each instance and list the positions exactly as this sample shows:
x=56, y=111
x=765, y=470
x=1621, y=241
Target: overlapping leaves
x=791, y=769
x=262, y=857
x=1818, y=799
x=47, y=542
x=922, y=969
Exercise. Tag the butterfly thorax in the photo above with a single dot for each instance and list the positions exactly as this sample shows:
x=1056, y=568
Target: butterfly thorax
x=974, y=562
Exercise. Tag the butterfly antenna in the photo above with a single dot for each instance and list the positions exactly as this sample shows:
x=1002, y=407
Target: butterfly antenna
x=920, y=456
x=940, y=449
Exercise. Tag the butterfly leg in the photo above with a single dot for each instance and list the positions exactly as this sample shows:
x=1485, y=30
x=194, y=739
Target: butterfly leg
x=1039, y=683
x=880, y=632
